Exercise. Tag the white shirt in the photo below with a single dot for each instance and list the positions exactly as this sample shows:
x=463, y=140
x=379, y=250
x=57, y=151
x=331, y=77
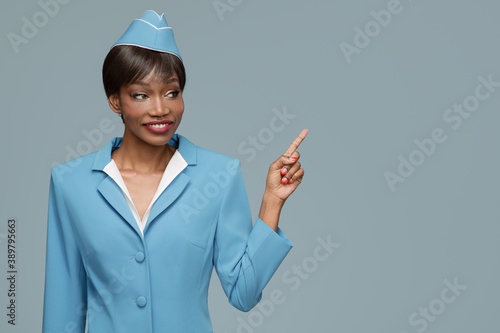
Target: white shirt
x=174, y=167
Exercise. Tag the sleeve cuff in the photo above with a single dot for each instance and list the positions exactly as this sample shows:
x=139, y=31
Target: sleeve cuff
x=279, y=235
x=267, y=249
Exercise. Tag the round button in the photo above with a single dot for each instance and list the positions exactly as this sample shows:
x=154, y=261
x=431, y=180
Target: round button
x=139, y=256
x=141, y=301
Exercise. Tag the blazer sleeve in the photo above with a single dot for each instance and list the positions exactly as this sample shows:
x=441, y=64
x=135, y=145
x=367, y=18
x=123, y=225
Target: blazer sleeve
x=65, y=295
x=245, y=257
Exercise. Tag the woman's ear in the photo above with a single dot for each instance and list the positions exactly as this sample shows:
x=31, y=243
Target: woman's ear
x=114, y=103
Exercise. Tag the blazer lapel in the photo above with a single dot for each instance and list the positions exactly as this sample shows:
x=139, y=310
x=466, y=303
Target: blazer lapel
x=114, y=196
x=110, y=190
x=167, y=197
x=188, y=152
x=112, y=193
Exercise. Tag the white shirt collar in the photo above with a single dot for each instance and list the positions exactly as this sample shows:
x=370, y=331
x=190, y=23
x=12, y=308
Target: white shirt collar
x=174, y=167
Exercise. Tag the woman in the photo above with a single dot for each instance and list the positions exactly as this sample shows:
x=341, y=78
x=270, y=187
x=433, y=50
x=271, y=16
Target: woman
x=136, y=228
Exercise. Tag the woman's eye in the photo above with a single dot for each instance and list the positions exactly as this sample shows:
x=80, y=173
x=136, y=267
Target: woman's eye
x=173, y=94
x=139, y=96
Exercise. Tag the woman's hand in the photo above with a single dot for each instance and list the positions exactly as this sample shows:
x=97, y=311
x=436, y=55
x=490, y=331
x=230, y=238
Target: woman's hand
x=285, y=174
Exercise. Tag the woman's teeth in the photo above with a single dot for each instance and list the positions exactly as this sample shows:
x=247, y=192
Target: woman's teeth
x=158, y=125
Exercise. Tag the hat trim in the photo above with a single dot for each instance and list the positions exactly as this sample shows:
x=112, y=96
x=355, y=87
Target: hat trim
x=153, y=25
x=159, y=16
x=149, y=48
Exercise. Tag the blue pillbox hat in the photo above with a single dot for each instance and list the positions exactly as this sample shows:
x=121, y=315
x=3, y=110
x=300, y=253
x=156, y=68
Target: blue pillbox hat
x=152, y=32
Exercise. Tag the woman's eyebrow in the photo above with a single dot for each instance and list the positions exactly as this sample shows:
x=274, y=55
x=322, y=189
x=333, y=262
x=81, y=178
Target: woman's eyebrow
x=171, y=80
x=142, y=83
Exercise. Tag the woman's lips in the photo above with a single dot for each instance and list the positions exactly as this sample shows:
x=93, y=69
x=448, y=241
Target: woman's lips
x=159, y=128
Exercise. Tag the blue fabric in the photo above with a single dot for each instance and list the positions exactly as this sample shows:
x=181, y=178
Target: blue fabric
x=98, y=259
x=152, y=32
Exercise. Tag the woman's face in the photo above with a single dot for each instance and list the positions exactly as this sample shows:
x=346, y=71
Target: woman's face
x=152, y=109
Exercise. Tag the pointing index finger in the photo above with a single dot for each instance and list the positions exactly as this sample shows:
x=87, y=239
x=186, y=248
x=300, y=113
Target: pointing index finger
x=296, y=143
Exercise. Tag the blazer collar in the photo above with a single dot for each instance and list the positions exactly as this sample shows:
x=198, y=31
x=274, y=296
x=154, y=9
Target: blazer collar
x=185, y=147
x=113, y=194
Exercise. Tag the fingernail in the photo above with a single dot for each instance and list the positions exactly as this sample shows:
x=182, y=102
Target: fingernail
x=290, y=181
x=293, y=158
x=283, y=181
x=283, y=171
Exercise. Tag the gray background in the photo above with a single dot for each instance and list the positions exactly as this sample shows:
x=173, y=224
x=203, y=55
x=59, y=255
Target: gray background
x=397, y=248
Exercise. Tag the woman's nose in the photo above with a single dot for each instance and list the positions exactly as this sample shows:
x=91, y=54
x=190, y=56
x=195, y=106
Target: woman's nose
x=159, y=107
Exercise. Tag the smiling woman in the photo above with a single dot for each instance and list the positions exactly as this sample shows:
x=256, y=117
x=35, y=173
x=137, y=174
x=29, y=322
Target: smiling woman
x=125, y=64
x=136, y=229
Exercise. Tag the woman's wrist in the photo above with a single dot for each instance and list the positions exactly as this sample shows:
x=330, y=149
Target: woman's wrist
x=270, y=210
x=273, y=200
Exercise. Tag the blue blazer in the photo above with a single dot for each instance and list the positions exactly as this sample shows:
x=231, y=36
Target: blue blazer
x=99, y=265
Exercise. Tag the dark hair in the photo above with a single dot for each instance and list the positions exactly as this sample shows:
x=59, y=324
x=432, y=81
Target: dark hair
x=126, y=64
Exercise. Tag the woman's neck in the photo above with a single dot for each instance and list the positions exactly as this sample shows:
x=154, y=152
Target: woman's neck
x=142, y=157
